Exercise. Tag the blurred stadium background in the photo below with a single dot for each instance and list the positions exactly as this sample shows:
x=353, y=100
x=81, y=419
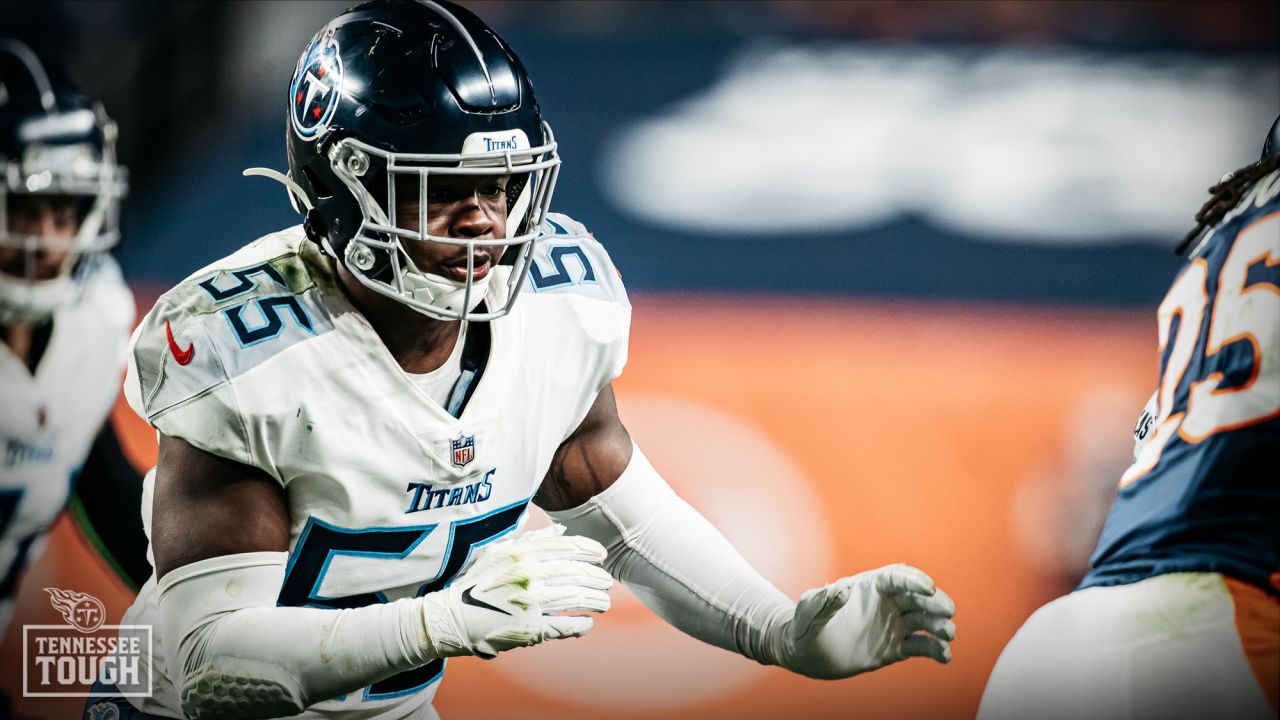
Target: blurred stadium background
x=894, y=266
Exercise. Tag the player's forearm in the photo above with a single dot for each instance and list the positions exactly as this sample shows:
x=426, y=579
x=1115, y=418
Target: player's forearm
x=680, y=566
x=234, y=653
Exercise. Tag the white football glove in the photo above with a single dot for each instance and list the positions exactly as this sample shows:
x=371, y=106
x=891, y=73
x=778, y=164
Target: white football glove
x=509, y=596
x=867, y=621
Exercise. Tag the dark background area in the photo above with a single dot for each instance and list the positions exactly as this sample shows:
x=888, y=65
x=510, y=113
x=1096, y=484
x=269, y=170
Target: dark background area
x=198, y=91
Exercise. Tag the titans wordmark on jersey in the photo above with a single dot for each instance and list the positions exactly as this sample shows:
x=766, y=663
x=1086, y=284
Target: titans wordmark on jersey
x=51, y=417
x=1203, y=491
x=260, y=358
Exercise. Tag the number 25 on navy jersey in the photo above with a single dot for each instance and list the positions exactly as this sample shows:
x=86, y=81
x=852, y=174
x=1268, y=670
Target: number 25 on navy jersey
x=1220, y=367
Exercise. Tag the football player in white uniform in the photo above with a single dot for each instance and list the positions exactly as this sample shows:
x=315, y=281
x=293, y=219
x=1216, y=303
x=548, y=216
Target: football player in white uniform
x=354, y=415
x=65, y=313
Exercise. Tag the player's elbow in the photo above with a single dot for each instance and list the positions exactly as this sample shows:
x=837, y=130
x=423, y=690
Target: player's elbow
x=229, y=688
x=227, y=683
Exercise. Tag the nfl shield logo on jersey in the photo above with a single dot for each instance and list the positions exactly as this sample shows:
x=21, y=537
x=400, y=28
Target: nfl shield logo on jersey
x=464, y=449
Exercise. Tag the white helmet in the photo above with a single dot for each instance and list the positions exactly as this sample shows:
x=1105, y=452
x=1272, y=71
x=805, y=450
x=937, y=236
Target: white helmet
x=54, y=142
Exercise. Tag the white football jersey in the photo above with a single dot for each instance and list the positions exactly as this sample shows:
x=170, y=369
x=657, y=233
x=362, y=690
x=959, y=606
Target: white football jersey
x=51, y=418
x=262, y=359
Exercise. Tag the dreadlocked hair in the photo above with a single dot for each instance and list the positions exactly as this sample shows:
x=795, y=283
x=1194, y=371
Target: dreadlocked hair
x=1226, y=195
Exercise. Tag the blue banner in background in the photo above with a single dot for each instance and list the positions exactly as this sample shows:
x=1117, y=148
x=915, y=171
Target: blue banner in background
x=709, y=162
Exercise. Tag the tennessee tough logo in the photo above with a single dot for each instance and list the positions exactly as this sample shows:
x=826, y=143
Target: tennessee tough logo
x=316, y=87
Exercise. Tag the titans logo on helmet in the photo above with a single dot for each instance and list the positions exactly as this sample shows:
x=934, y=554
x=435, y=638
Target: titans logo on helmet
x=316, y=87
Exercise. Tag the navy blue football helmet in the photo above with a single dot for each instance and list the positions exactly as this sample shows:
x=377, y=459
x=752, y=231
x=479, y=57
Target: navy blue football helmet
x=390, y=95
x=54, y=144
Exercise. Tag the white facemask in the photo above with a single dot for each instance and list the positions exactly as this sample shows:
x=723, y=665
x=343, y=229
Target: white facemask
x=434, y=295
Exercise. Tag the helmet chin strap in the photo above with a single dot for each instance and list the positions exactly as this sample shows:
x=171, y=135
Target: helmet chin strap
x=24, y=302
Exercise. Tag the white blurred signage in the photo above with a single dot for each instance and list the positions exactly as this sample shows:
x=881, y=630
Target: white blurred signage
x=1054, y=146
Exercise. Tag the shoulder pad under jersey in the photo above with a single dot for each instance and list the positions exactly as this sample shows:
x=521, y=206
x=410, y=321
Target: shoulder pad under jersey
x=568, y=259
x=214, y=327
x=580, y=304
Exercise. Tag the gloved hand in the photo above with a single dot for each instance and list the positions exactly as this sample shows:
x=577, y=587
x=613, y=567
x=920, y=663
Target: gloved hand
x=509, y=596
x=866, y=621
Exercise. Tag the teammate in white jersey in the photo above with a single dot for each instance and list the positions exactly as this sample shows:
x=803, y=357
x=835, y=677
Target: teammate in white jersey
x=354, y=415
x=65, y=313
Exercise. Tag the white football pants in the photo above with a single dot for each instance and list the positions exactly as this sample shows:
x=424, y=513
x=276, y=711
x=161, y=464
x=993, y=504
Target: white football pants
x=1169, y=646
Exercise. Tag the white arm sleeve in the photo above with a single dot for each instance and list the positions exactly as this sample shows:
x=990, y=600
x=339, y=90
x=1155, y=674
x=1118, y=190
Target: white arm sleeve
x=680, y=566
x=234, y=654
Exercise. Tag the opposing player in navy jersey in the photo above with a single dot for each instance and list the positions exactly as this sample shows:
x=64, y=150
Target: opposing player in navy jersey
x=355, y=414
x=1179, y=616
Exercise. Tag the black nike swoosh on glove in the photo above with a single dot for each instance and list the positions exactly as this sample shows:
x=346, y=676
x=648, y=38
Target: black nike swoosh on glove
x=470, y=599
